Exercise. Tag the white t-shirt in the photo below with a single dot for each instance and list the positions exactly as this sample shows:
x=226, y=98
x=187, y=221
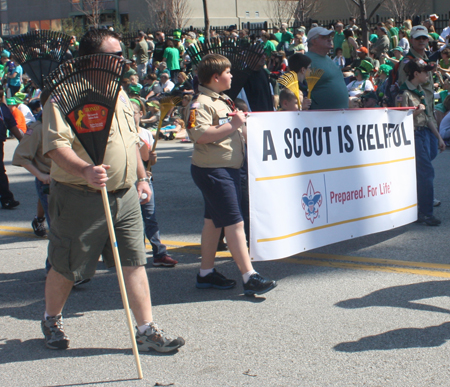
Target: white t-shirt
x=168, y=84
x=356, y=88
x=404, y=44
x=146, y=137
x=29, y=118
x=444, y=127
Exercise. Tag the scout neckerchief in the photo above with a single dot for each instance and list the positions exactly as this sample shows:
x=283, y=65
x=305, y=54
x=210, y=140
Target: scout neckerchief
x=419, y=93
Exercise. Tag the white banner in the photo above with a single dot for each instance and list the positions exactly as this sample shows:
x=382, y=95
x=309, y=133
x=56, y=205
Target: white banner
x=320, y=177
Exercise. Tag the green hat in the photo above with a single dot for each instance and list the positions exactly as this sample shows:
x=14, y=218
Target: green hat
x=176, y=35
x=20, y=96
x=11, y=101
x=384, y=68
x=370, y=94
x=398, y=49
x=5, y=55
x=134, y=89
x=365, y=67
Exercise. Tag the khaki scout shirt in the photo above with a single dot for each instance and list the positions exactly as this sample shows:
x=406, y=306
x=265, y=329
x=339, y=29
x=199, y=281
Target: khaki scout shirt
x=428, y=87
x=409, y=98
x=29, y=150
x=210, y=109
x=120, y=151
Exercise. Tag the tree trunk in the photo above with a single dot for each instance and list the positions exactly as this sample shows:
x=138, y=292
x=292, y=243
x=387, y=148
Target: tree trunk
x=364, y=21
x=205, y=11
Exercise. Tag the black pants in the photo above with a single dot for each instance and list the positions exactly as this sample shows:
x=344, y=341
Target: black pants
x=5, y=194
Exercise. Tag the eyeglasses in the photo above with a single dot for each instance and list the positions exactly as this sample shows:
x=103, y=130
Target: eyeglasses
x=118, y=53
x=421, y=38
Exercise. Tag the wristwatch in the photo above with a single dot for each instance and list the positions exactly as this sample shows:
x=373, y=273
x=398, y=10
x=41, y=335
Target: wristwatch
x=147, y=179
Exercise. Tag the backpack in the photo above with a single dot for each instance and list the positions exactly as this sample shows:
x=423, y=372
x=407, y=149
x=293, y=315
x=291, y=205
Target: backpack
x=392, y=88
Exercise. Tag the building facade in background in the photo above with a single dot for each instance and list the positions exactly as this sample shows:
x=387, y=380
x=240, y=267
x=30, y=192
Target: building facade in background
x=21, y=16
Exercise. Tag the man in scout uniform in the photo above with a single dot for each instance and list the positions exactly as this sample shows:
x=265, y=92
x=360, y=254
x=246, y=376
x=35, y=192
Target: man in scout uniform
x=78, y=233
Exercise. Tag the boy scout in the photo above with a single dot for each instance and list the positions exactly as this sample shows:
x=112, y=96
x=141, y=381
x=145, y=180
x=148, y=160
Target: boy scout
x=218, y=155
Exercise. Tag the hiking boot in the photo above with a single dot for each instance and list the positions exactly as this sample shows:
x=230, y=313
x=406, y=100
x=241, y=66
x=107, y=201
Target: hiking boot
x=39, y=227
x=428, y=220
x=165, y=260
x=258, y=285
x=214, y=280
x=10, y=204
x=53, y=330
x=157, y=339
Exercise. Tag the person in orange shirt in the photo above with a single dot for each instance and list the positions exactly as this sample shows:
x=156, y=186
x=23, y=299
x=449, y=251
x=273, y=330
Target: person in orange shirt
x=17, y=114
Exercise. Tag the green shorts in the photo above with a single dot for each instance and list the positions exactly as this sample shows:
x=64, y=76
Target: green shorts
x=79, y=232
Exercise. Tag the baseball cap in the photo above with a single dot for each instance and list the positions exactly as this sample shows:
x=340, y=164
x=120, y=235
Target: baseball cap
x=418, y=64
x=363, y=49
x=318, y=31
x=418, y=31
x=4, y=55
x=398, y=49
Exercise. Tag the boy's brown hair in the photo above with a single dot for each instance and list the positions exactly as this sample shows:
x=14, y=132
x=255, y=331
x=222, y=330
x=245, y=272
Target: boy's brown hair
x=211, y=64
x=286, y=95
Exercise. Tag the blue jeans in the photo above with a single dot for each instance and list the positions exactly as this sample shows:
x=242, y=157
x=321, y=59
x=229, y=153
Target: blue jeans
x=43, y=197
x=424, y=170
x=151, y=226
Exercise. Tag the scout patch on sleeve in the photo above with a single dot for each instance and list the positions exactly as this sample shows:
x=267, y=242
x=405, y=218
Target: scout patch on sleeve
x=224, y=120
x=192, y=115
x=123, y=99
x=29, y=131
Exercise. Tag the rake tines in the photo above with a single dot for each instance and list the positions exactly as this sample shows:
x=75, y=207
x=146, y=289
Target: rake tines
x=39, y=52
x=312, y=79
x=166, y=105
x=86, y=91
x=290, y=81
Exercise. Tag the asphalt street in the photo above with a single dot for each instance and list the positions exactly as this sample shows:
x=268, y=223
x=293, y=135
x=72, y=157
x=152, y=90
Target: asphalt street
x=372, y=311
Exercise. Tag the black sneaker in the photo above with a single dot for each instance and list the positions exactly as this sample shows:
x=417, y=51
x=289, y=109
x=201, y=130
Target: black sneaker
x=53, y=330
x=222, y=246
x=81, y=282
x=428, y=220
x=258, y=285
x=39, y=227
x=10, y=204
x=214, y=280
x=157, y=339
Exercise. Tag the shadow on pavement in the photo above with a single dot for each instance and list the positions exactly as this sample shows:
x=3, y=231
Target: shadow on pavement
x=403, y=338
x=401, y=297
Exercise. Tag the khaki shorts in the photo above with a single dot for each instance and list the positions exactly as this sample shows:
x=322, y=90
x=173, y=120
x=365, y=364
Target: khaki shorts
x=79, y=232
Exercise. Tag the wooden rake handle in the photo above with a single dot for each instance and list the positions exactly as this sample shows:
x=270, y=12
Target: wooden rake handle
x=123, y=290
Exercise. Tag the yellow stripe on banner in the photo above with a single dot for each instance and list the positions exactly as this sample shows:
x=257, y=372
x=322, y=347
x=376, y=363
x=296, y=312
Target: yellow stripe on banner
x=334, y=224
x=386, y=269
x=332, y=169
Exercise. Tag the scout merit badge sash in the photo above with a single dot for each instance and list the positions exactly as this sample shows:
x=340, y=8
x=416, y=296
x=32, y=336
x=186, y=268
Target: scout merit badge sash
x=86, y=90
x=38, y=52
x=243, y=55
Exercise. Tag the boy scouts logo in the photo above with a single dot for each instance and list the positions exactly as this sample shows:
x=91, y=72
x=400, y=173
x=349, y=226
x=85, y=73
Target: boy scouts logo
x=311, y=201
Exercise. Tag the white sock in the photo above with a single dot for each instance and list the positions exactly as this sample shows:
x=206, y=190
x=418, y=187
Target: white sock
x=143, y=328
x=205, y=272
x=247, y=275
